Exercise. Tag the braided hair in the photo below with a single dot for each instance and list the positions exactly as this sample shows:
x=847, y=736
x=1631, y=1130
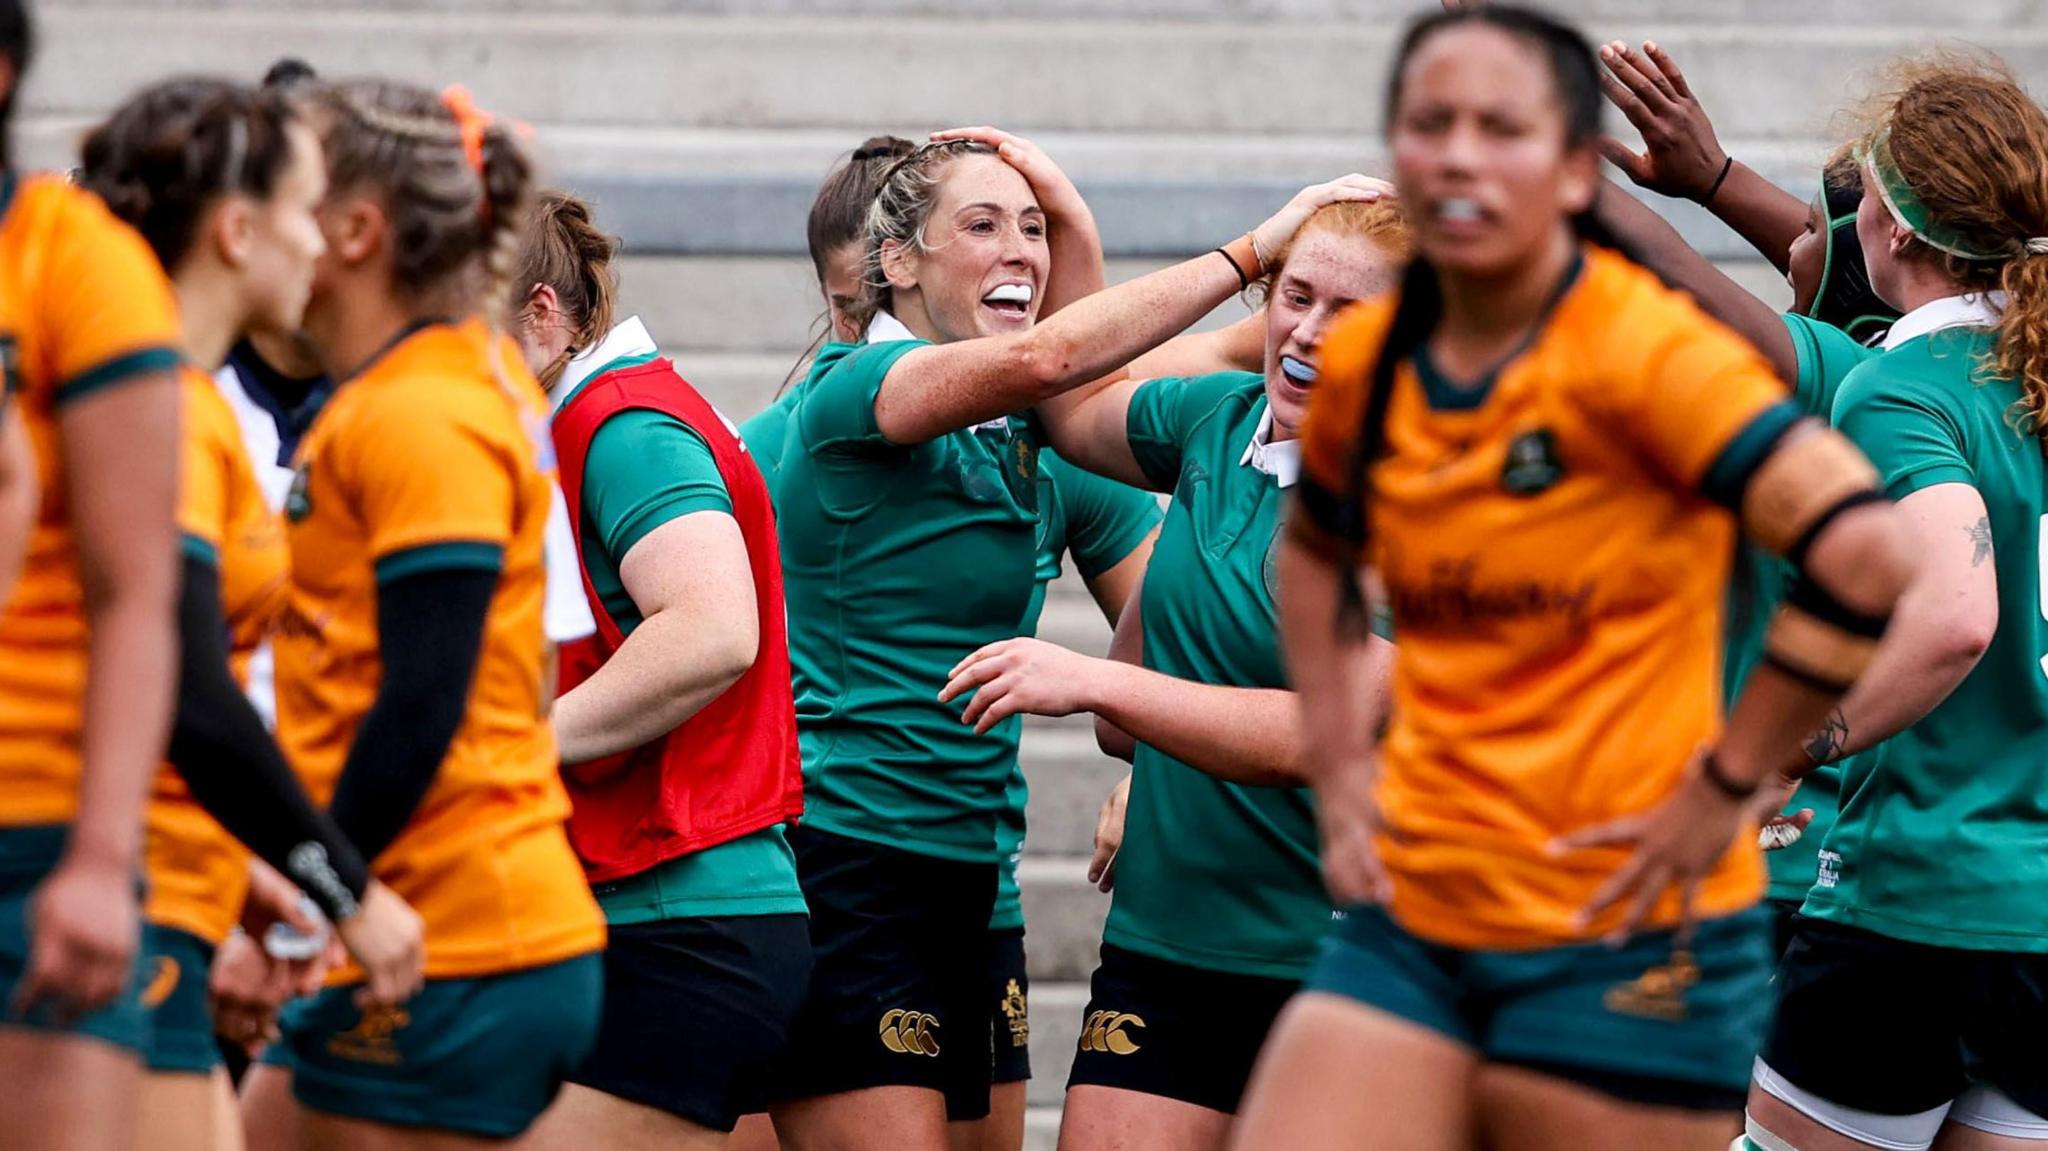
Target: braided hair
x=903, y=201
x=452, y=215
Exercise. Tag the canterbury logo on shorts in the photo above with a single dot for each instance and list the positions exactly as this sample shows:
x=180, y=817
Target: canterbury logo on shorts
x=910, y=1032
x=1108, y=1032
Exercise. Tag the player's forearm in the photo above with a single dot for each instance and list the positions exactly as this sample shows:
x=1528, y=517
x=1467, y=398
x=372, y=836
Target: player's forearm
x=1338, y=670
x=1767, y=216
x=1237, y=734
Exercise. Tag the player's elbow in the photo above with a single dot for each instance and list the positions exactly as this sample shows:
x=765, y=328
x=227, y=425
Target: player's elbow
x=1114, y=741
x=1865, y=558
x=1959, y=629
x=1045, y=361
x=729, y=652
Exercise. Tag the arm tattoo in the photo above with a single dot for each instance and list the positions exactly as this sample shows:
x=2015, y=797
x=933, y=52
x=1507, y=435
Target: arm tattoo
x=1825, y=746
x=1980, y=535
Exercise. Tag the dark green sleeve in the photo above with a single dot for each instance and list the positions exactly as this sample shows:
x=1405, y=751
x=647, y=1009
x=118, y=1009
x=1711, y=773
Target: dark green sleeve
x=1826, y=354
x=1162, y=414
x=1106, y=520
x=838, y=412
x=1912, y=432
x=643, y=470
x=764, y=434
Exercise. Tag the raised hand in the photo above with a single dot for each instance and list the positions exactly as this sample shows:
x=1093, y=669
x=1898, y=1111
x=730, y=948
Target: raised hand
x=1681, y=156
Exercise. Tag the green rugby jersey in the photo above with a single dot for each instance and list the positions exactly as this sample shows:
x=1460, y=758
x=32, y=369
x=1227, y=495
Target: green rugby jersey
x=898, y=561
x=1101, y=522
x=765, y=432
x=1758, y=580
x=1942, y=837
x=1213, y=874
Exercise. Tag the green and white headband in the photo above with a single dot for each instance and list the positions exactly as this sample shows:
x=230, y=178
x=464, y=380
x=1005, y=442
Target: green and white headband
x=1906, y=208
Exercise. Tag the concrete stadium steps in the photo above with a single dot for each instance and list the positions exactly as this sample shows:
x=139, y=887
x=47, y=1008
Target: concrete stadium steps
x=1069, y=780
x=831, y=70
x=1063, y=915
x=1056, y=1011
x=1979, y=13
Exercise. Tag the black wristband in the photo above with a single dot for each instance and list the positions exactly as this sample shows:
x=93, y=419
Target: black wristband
x=1727, y=165
x=1710, y=770
x=1243, y=281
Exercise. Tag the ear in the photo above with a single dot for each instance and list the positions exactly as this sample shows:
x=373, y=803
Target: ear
x=1897, y=239
x=355, y=228
x=232, y=230
x=1581, y=183
x=899, y=264
x=543, y=306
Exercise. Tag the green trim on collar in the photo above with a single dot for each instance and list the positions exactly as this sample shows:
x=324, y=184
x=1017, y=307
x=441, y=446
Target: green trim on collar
x=1446, y=396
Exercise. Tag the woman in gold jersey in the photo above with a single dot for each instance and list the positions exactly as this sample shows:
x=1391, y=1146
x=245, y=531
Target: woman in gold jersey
x=1535, y=449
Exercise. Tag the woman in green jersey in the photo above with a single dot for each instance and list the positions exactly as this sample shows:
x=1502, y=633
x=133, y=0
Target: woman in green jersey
x=708, y=954
x=908, y=513
x=1107, y=527
x=1916, y=983
x=1219, y=904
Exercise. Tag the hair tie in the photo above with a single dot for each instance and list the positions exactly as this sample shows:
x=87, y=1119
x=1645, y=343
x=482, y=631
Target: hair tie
x=2037, y=246
x=470, y=121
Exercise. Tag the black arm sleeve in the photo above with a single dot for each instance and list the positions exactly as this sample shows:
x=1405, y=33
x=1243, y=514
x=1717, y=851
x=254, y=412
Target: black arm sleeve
x=432, y=628
x=234, y=768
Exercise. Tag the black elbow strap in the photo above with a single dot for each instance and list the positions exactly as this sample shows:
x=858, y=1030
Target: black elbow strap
x=1819, y=640
x=1796, y=554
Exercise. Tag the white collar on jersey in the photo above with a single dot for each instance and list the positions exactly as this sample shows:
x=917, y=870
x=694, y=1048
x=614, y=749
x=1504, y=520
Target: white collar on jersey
x=627, y=338
x=885, y=328
x=1282, y=461
x=1975, y=310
